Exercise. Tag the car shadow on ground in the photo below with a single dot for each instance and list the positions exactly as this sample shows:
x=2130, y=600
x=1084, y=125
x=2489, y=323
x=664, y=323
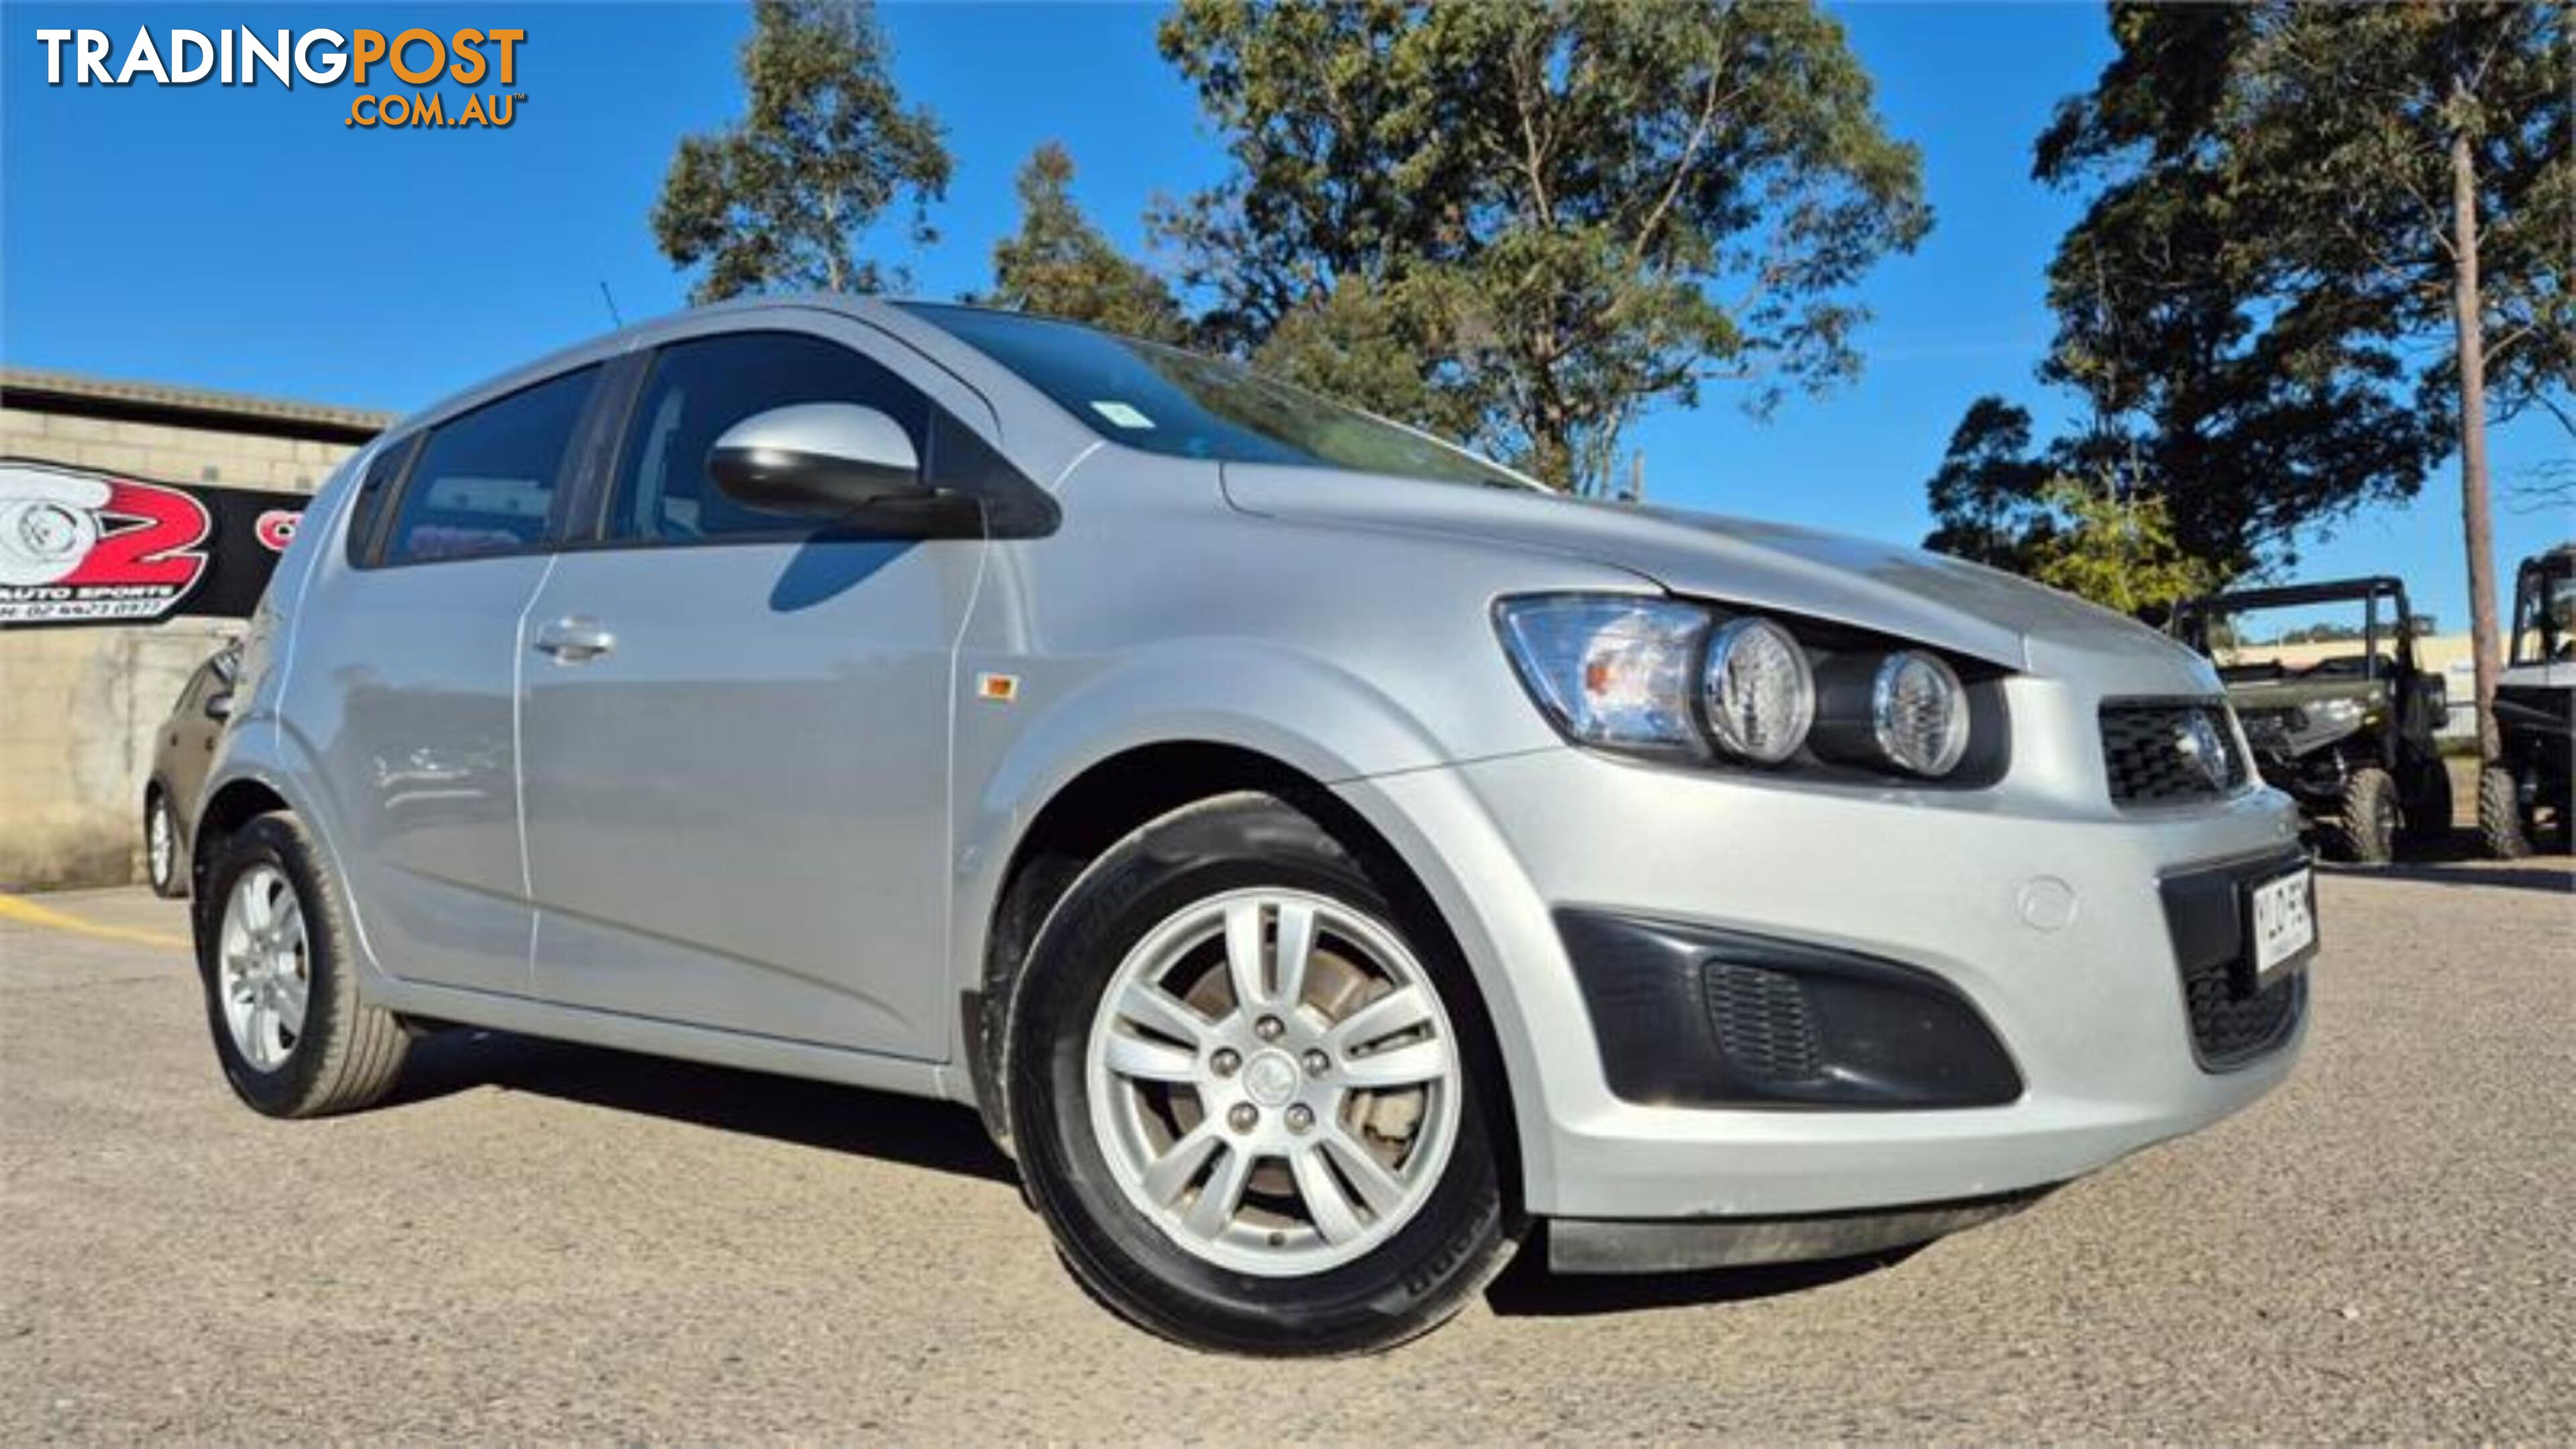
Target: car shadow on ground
x=945, y=1138
x=937, y=1135
x=1527, y=1289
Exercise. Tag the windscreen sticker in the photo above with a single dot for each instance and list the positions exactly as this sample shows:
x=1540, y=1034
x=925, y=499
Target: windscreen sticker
x=1121, y=414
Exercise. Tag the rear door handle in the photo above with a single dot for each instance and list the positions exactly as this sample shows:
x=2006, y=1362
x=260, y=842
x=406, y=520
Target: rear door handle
x=574, y=640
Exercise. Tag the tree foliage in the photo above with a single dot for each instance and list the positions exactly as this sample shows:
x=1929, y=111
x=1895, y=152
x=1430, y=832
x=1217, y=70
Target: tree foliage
x=1526, y=223
x=2119, y=552
x=2254, y=308
x=2060, y=518
x=1059, y=263
x=782, y=197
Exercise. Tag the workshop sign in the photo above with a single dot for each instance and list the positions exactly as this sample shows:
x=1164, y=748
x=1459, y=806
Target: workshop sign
x=82, y=547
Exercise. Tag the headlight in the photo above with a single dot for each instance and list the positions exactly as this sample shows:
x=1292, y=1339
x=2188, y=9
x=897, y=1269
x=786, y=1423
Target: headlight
x=1609, y=671
x=1758, y=690
x=2333, y=714
x=1904, y=711
x=1919, y=712
x=1672, y=678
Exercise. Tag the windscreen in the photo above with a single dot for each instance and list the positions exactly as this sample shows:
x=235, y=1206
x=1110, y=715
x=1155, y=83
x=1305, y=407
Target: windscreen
x=2544, y=627
x=1164, y=400
x=2318, y=641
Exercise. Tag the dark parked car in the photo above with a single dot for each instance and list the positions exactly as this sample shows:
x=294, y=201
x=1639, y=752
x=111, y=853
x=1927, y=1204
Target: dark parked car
x=180, y=754
x=2324, y=679
x=2529, y=793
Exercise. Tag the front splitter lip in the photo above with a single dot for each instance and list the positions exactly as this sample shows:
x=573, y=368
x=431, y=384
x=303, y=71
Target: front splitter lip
x=1684, y=1245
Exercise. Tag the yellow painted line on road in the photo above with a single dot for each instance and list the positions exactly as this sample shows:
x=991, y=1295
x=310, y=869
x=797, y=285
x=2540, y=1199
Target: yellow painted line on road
x=27, y=912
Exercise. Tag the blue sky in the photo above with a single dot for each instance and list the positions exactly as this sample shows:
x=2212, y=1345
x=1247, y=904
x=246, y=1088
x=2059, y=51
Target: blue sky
x=246, y=238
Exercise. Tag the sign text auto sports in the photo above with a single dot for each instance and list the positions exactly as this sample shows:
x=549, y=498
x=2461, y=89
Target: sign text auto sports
x=82, y=547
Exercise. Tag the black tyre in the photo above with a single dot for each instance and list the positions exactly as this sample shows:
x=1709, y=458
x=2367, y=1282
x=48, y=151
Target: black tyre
x=2501, y=828
x=2365, y=832
x=161, y=846
x=2428, y=804
x=1253, y=1092
x=275, y=956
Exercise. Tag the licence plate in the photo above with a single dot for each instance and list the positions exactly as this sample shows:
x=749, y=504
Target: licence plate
x=2285, y=922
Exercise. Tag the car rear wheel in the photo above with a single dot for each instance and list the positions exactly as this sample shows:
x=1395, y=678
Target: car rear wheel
x=275, y=956
x=2365, y=831
x=2500, y=824
x=161, y=847
x=1248, y=1089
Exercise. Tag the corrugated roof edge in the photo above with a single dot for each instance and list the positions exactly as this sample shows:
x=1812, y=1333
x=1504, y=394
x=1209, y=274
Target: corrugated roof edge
x=193, y=407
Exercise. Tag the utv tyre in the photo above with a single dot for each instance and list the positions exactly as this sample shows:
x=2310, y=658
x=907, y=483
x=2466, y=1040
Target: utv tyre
x=161, y=847
x=2427, y=811
x=278, y=963
x=2500, y=824
x=1253, y=1093
x=2365, y=832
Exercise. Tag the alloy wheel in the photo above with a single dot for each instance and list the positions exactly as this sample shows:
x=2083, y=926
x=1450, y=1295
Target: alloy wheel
x=264, y=966
x=163, y=842
x=1274, y=1081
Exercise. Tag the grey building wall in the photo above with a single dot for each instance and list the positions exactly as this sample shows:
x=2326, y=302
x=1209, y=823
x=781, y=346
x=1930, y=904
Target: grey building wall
x=79, y=707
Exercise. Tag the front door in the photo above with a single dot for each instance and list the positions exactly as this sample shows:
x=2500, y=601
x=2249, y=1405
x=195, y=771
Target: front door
x=735, y=728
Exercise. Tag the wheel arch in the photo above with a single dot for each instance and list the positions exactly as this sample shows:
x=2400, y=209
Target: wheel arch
x=234, y=804
x=1119, y=793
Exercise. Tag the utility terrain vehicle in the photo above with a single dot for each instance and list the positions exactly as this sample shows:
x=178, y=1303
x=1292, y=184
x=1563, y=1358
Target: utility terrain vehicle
x=2524, y=796
x=2339, y=714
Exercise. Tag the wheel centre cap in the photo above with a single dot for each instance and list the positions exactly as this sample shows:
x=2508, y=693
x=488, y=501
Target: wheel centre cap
x=1270, y=1079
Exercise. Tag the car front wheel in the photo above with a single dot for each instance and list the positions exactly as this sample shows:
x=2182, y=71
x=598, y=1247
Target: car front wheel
x=1248, y=1089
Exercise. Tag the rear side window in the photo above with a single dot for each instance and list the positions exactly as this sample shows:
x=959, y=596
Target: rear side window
x=485, y=482
x=375, y=490
x=697, y=390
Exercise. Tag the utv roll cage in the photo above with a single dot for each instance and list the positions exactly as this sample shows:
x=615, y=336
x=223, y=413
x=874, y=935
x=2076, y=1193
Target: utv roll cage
x=2192, y=616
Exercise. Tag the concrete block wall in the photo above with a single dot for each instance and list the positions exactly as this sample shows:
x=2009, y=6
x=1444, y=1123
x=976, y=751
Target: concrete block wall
x=79, y=708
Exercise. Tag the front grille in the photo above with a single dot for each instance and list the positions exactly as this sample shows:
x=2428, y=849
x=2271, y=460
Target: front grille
x=1762, y=1023
x=2157, y=753
x=2230, y=1029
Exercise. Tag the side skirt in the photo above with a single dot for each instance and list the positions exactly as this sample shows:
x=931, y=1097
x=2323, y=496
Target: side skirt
x=652, y=1037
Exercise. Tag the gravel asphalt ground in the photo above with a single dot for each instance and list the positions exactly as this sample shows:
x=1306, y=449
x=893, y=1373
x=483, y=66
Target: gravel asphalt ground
x=548, y=1242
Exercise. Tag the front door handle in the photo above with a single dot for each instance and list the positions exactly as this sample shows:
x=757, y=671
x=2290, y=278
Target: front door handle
x=574, y=640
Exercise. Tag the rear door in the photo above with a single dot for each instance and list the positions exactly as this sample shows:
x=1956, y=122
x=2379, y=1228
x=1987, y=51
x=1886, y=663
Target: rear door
x=736, y=724
x=412, y=657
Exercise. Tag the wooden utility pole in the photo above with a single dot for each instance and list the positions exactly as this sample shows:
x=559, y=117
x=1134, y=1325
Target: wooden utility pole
x=2468, y=316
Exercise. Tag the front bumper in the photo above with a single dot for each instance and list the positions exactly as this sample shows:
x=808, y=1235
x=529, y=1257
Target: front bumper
x=2038, y=908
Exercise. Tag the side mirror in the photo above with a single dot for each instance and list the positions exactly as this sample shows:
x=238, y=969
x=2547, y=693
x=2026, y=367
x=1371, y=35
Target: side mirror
x=818, y=459
x=220, y=706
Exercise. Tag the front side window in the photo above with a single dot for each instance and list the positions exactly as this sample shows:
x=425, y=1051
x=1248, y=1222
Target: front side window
x=485, y=482
x=1164, y=400
x=699, y=389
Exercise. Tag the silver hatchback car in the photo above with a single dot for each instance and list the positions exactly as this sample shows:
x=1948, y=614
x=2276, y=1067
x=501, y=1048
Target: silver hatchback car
x=1319, y=854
